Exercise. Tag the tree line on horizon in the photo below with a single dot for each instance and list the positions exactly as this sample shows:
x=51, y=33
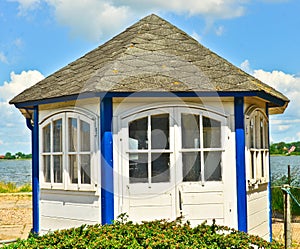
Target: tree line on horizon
x=283, y=148
x=18, y=155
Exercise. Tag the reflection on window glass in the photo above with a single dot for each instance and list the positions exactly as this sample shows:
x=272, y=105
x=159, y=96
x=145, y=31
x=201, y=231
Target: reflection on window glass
x=72, y=123
x=138, y=138
x=261, y=126
x=211, y=133
x=138, y=168
x=191, y=167
x=47, y=169
x=212, y=166
x=190, y=130
x=73, y=168
x=160, y=131
x=46, y=138
x=57, y=135
x=252, y=164
x=262, y=165
x=57, y=169
x=252, y=133
x=266, y=135
x=85, y=170
x=160, y=167
x=85, y=136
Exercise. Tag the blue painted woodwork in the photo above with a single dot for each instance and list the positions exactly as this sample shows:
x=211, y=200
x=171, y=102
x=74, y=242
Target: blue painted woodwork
x=107, y=190
x=240, y=163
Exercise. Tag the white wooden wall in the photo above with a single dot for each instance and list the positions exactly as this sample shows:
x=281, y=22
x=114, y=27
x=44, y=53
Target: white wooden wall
x=258, y=212
x=201, y=204
x=62, y=209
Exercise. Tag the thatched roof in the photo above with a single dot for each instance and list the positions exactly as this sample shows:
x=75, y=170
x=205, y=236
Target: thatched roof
x=151, y=55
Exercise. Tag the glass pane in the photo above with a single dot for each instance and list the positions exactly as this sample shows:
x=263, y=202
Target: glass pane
x=212, y=166
x=262, y=163
x=85, y=169
x=261, y=124
x=73, y=166
x=57, y=135
x=253, y=159
x=85, y=136
x=46, y=138
x=138, y=138
x=57, y=169
x=266, y=135
x=257, y=132
x=252, y=133
x=72, y=125
x=138, y=168
x=191, y=166
x=211, y=133
x=160, y=131
x=47, y=169
x=190, y=130
x=160, y=170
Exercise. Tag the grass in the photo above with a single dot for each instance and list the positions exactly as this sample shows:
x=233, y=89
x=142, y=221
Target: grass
x=10, y=187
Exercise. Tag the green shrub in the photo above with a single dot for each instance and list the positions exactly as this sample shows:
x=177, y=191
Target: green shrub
x=156, y=234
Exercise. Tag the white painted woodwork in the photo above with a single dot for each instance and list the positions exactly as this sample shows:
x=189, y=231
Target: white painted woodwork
x=258, y=212
x=65, y=209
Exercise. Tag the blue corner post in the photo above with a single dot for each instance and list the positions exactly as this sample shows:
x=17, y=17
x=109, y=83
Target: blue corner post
x=107, y=190
x=240, y=163
x=35, y=169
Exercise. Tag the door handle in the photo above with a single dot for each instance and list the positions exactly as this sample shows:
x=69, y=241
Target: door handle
x=180, y=202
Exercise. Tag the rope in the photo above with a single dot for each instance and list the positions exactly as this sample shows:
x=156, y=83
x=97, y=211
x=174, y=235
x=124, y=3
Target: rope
x=287, y=190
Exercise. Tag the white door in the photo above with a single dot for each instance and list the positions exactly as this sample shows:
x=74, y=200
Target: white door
x=172, y=165
x=148, y=165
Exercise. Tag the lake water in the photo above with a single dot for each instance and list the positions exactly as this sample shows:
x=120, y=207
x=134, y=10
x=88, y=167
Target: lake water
x=19, y=171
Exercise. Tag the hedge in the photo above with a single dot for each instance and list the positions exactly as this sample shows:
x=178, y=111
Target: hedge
x=156, y=234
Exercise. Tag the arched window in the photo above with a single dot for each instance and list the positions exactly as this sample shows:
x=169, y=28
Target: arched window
x=257, y=146
x=67, y=151
x=161, y=140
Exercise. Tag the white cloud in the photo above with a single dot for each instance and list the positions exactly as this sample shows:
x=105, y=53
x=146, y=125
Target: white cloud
x=12, y=124
x=220, y=30
x=90, y=18
x=18, y=83
x=284, y=127
x=93, y=18
x=3, y=58
x=196, y=36
x=246, y=67
x=26, y=5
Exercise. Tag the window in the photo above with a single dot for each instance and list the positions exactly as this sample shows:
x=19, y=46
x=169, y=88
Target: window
x=257, y=146
x=67, y=151
x=177, y=139
x=201, y=148
x=149, y=149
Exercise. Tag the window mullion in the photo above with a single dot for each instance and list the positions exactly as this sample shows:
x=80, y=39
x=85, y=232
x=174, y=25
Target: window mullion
x=201, y=149
x=51, y=154
x=149, y=150
x=78, y=152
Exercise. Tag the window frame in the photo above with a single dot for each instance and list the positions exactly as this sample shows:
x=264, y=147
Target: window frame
x=257, y=146
x=66, y=184
x=150, y=151
x=175, y=149
x=202, y=149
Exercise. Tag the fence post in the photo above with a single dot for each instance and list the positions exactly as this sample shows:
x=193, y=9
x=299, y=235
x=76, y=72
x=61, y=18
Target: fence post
x=287, y=218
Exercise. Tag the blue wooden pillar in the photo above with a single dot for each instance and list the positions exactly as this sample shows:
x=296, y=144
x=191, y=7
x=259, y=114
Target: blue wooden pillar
x=107, y=189
x=35, y=169
x=240, y=163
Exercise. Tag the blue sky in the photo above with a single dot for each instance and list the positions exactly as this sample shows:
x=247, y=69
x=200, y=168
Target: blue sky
x=38, y=37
